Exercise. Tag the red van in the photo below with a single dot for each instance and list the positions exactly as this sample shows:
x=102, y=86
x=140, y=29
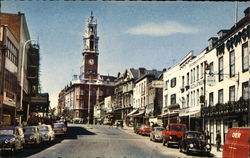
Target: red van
x=237, y=143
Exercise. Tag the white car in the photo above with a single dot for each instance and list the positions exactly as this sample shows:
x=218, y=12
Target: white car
x=46, y=132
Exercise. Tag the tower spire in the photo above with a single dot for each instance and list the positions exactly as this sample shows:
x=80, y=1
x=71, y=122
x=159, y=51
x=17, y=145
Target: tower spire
x=91, y=16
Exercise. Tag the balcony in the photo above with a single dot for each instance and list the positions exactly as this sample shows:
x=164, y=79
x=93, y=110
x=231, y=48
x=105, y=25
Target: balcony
x=230, y=108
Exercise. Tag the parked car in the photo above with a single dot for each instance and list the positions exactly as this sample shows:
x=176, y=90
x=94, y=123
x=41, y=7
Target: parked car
x=118, y=123
x=60, y=128
x=156, y=134
x=237, y=143
x=78, y=120
x=144, y=130
x=194, y=142
x=173, y=134
x=46, y=133
x=31, y=135
x=11, y=139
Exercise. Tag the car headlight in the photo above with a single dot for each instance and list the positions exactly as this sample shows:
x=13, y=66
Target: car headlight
x=6, y=141
x=32, y=137
x=208, y=146
x=191, y=145
x=170, y=137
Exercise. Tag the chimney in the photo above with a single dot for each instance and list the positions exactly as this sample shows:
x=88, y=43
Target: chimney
x=142, y=71
x=222, y=33
x=247, y=11
x=211, y=42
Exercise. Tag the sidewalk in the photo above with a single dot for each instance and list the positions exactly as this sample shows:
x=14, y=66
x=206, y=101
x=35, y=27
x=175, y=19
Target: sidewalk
x=214, y=152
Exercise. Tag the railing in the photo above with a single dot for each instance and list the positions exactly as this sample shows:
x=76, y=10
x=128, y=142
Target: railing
x=227, y=108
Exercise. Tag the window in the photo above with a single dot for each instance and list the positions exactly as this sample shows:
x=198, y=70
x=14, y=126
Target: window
x=220, y=96
x=202, y=70
x=211, y=99
x=211, y=68
x=173, y=99
x=166, y=84
x=92, y=42
x=173, y=82
x=232, y=64
x=220, y=68
x=245, y=57
x=197, y=97
x=245, y=93
x=166, y=100
x=197, y=73
x=232, y=93
x=188, y=100
x=187, y=78
x=191, y=76
x=183, y=82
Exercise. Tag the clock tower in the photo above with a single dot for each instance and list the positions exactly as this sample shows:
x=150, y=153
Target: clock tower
x=89, y=69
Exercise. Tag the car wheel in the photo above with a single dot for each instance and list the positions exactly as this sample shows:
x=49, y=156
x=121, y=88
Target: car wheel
x=153, y=138
x=180, y=148
x=187, y=151
x=150, y=137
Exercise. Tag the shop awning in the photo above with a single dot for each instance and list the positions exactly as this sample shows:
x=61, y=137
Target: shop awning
x=139, y=114
x=195, y=113
x=133, y=112
x=168, y=115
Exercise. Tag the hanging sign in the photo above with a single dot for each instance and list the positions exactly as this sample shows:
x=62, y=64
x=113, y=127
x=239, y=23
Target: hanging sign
x=211, y=80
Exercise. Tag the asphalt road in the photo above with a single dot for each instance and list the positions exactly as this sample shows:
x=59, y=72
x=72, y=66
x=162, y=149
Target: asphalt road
x=84, y=141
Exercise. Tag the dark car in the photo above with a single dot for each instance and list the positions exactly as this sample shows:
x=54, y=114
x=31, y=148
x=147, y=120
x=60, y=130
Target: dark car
x=31, y=135
x=194, y=142
x=156, y=134
x=60, y=128
x=11, y=138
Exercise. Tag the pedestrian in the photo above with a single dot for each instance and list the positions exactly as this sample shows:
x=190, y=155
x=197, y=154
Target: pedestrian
x=218, y=140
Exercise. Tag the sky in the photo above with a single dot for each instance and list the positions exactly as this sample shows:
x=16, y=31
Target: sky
x=153, y=35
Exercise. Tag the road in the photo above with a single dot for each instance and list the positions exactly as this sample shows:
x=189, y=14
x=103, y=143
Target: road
x=85, y=141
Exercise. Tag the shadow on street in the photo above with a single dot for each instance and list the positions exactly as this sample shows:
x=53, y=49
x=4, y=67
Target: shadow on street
x=73, y=132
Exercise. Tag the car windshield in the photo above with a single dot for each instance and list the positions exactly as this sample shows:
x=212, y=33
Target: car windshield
x=58, y=125
x=29, y=130
x=195, y=135
x=177, y=128
x=6, y=132
x=43, y=128
x=159, y=129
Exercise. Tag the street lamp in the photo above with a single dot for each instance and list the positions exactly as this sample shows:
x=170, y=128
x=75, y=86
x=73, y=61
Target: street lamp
x=22, y=76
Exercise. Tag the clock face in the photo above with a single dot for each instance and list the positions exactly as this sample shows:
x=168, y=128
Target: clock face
x=91, y=61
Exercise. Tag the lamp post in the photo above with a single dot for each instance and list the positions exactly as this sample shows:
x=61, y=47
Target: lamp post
x=22, y=76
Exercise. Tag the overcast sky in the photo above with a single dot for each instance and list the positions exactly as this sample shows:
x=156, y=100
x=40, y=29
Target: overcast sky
x=154, y=35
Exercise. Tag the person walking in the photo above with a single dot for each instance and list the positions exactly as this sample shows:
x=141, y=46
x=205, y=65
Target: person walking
x=218, y=140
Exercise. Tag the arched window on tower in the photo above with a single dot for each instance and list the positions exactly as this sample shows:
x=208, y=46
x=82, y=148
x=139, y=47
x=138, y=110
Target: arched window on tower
x=92, y=39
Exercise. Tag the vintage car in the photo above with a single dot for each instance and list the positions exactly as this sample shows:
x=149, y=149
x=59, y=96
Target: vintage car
x=173, y=134
x=60, y=128
x=31, y=135
x=144, y=130
x=46, y=132
x=11, y=139
x=194, y=142
x=237, y=143
x=156, y=134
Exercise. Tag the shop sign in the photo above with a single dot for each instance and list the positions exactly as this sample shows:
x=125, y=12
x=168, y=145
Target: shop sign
x=157, y=84
x=196, y=84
